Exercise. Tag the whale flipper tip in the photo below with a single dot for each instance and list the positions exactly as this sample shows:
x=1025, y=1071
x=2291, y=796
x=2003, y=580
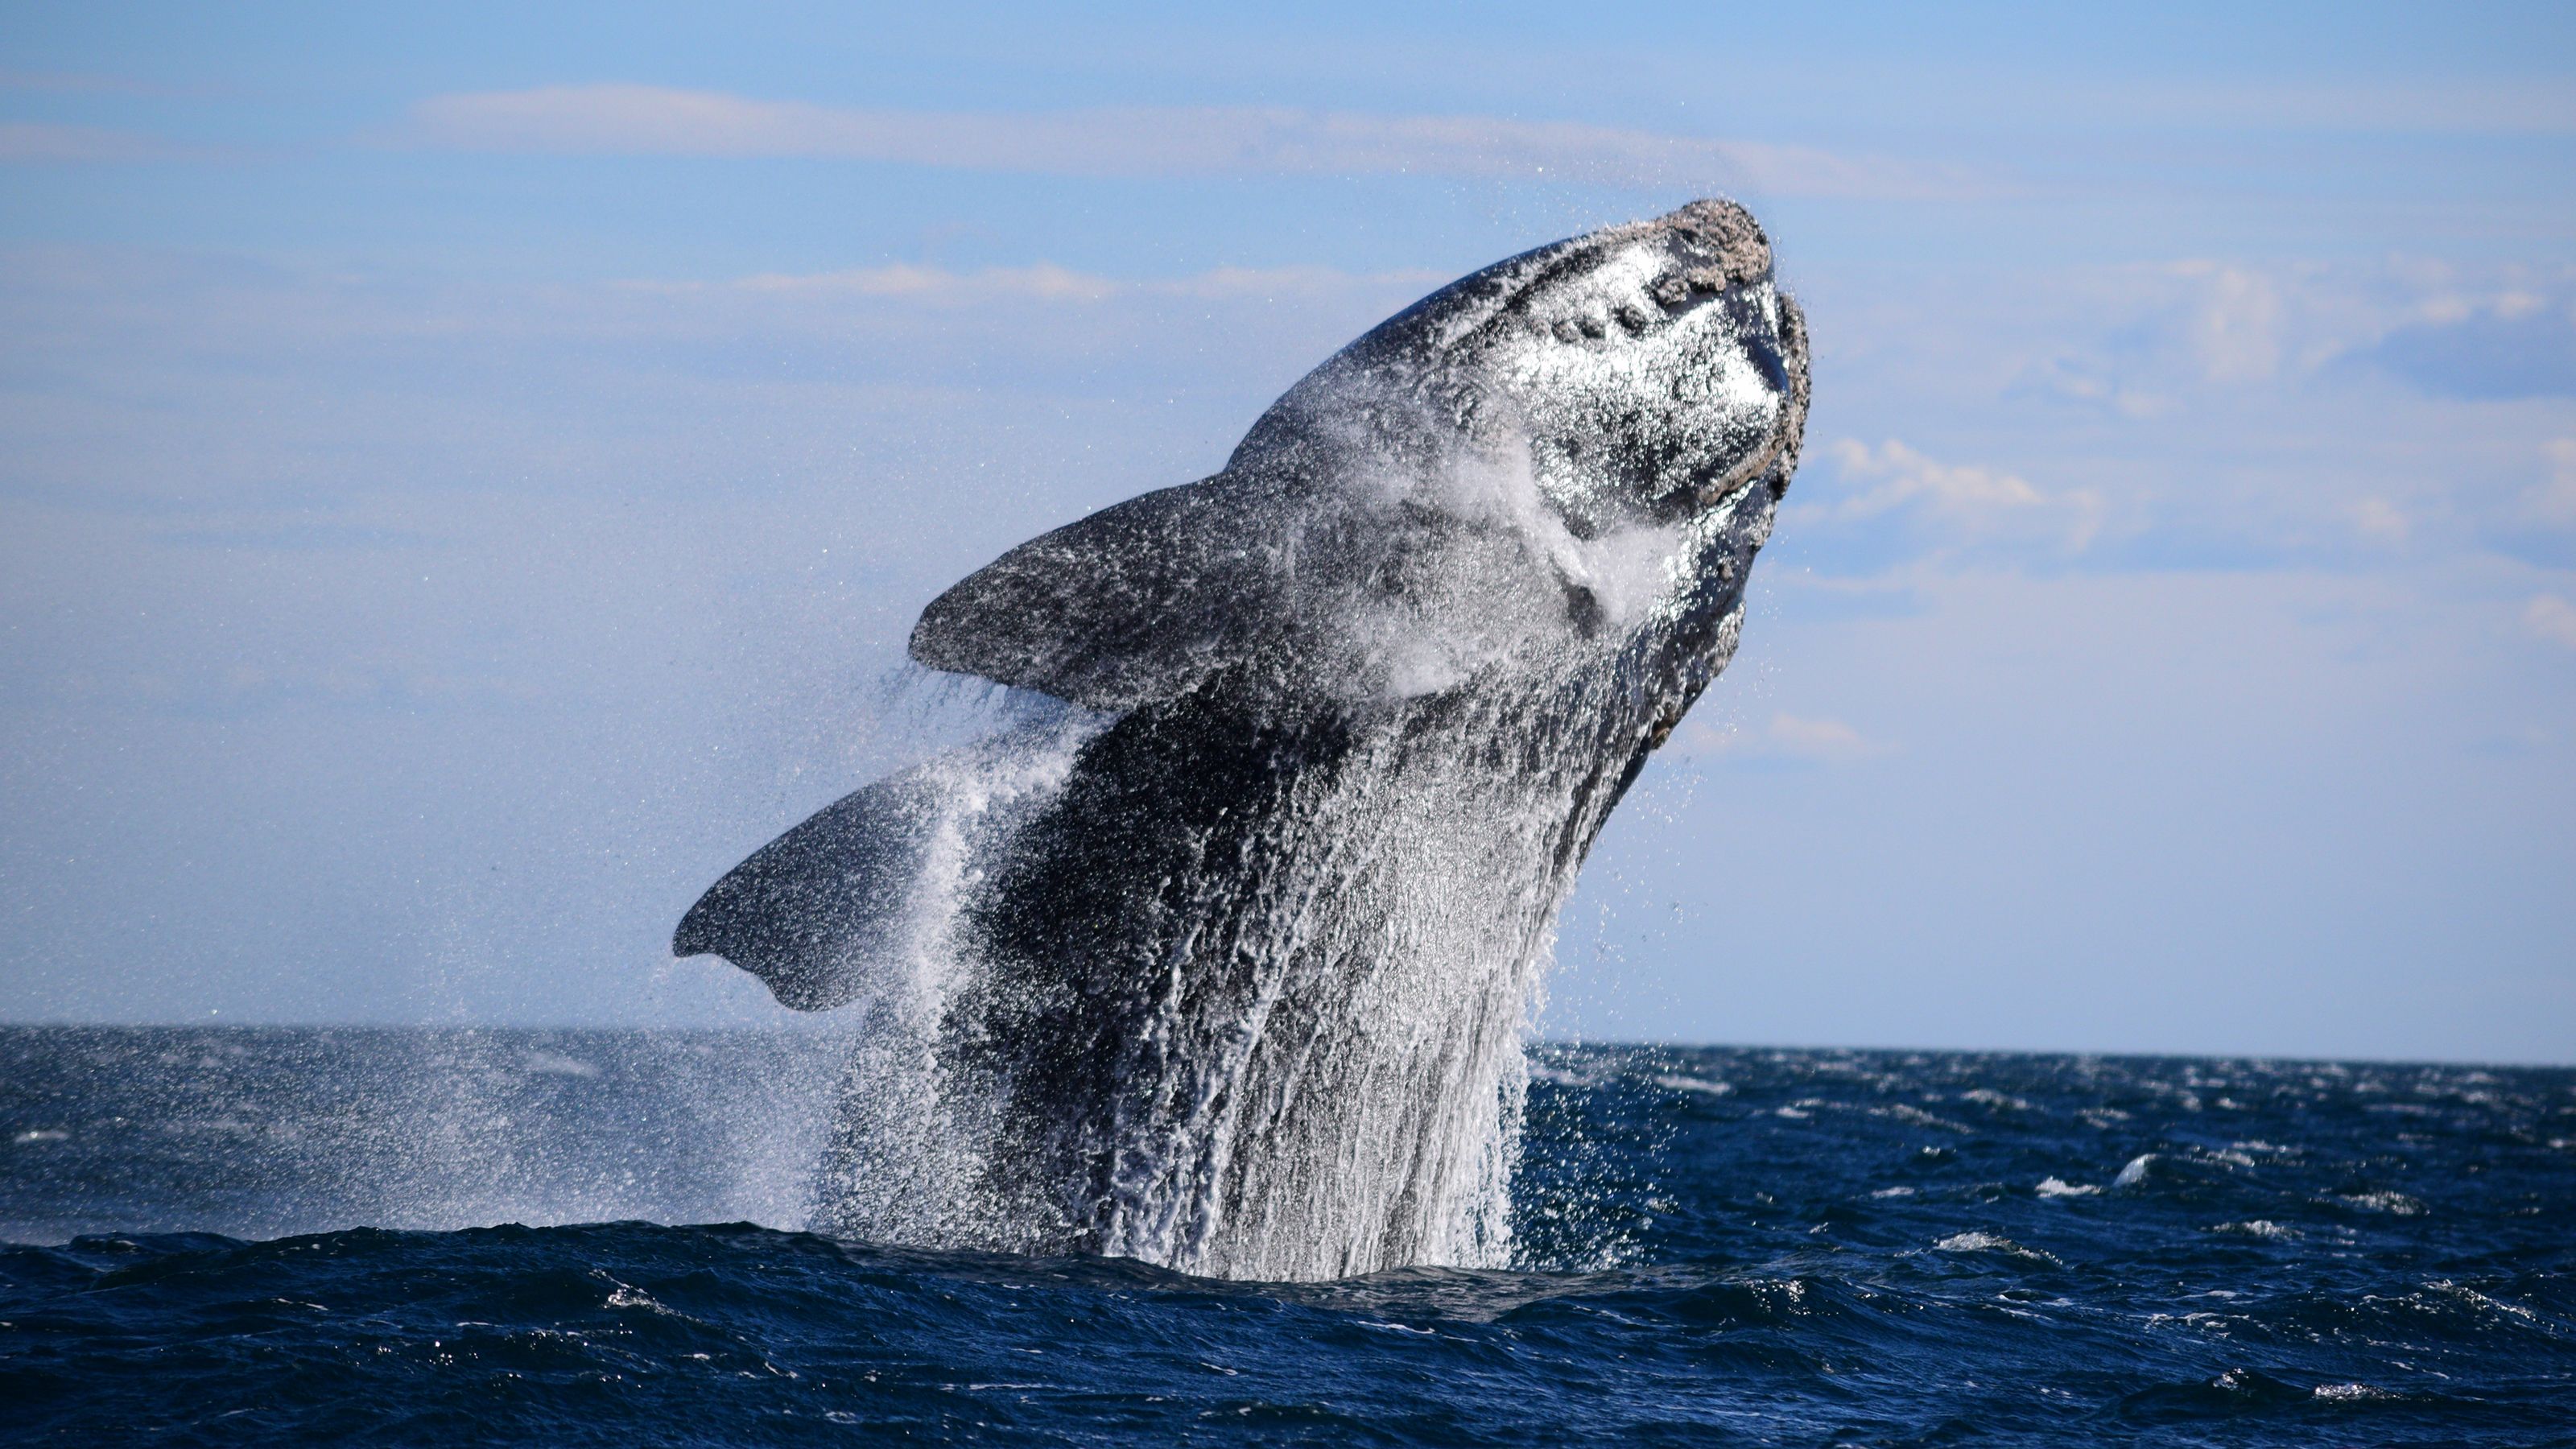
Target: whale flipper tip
x=809, y=910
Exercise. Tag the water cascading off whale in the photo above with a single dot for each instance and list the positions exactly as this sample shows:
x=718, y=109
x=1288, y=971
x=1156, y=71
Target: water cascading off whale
x=1225, y=965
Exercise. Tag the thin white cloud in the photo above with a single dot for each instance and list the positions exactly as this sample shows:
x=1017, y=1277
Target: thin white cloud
x=2237, y=329
x=76, y=83
x=1948, y=504
x=2379, y=519
x=1048, y=282
x=41, y=141
x=2554, y=501
x=2552, y=618
x=2166, y=336
x=1820, y=740
x=2490, y=105
x=1899, y=475
x=1153, y=141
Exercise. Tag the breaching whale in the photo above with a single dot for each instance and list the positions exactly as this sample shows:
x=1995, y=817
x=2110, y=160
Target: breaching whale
x=1226, y=965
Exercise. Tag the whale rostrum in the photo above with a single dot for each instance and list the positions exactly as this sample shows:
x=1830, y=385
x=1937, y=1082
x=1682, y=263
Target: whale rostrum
x=1224, y=962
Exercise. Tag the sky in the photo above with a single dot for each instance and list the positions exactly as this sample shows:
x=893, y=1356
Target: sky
x=466, y=477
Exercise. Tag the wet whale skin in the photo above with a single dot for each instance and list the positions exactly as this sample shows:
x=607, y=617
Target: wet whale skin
x=1234, y=979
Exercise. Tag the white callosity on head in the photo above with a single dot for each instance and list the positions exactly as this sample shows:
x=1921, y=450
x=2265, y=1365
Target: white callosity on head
x=1640, y=365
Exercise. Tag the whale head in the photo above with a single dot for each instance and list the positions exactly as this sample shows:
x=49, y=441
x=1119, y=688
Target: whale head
x=1646, y=371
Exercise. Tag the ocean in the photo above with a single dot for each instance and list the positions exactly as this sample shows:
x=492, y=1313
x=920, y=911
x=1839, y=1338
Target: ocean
x=262, y=1235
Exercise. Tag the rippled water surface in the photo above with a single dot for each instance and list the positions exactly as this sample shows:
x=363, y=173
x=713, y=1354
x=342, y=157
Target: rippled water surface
x=246, y=1236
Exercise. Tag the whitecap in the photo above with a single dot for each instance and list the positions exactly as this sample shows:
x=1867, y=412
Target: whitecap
x=2135, y=1172
x=1893, y=1192
x=1400, y=1328
x=2256, y=1228
x=2481, y=1300
x=41, y=1134
x=2347, y=1393
x=2059, y=1187
x=1695, y=1084
x=1903, y=1113
x=2396, y=1204
x=1976, y=1242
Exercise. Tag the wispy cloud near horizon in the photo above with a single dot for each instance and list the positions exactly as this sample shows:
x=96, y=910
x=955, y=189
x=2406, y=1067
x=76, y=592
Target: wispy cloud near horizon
x=1818, y=740
x=43, y=142
x=1155, y=141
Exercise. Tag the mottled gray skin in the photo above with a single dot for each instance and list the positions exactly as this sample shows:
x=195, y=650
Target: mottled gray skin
x=1248, y=986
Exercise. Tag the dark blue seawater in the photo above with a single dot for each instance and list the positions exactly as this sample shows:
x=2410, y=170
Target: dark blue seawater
x=255, y=1236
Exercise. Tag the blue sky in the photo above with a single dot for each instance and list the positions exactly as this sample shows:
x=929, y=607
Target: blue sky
x=467, y=477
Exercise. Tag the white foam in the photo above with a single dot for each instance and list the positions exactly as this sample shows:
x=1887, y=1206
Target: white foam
x=1903, y=1113
x=2349, y=1393
x=2059, y=1187
x=2257, y=1228
x=1980, y=1242
x=1695, y=1084
x=2481, y=1300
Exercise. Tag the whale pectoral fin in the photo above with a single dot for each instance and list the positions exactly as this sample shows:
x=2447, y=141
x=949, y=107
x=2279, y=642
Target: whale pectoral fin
x=808, y=911
x=1135, y=603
